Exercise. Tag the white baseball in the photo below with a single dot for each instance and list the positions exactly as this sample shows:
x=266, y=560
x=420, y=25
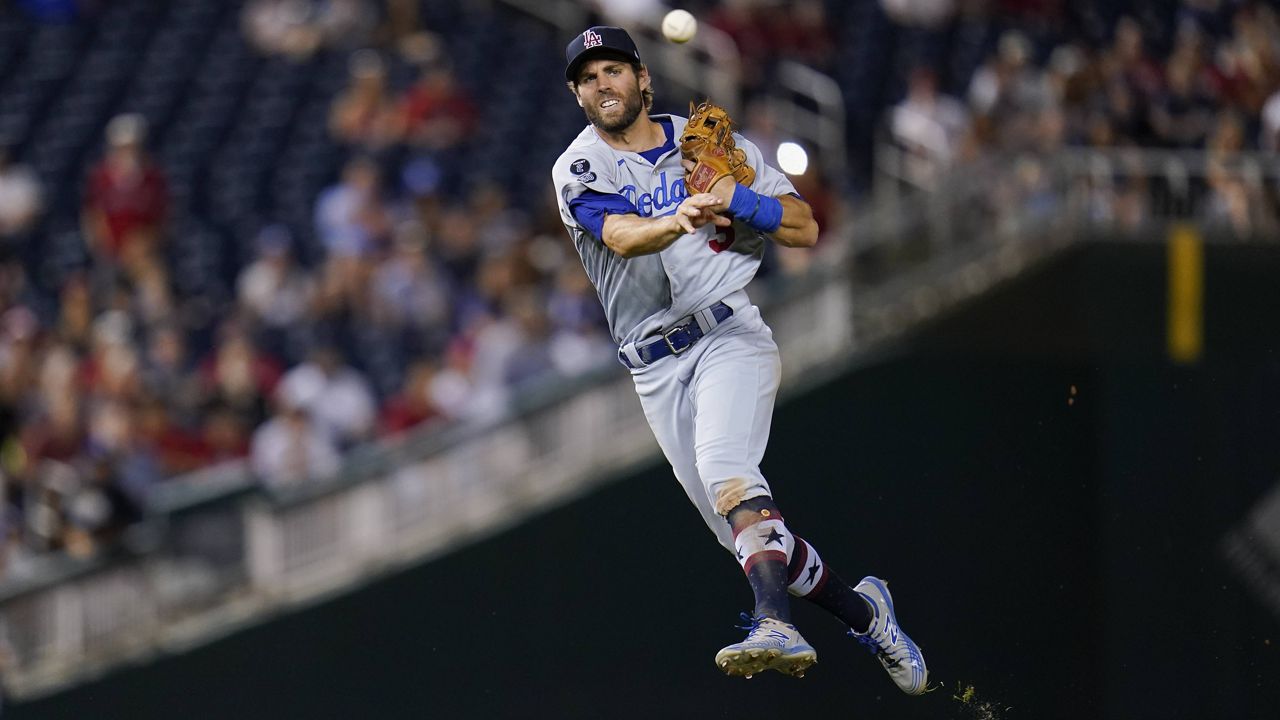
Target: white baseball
x=679, y=26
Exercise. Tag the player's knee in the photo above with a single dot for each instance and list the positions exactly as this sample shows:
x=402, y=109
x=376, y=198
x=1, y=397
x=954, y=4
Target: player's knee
x=730, y=494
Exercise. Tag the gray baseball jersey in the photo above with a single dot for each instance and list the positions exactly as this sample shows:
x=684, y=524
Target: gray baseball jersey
x=644, y=295
x=710, y=408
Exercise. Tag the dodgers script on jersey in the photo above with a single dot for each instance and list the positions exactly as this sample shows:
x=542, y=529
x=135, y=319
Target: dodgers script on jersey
x=644, y=295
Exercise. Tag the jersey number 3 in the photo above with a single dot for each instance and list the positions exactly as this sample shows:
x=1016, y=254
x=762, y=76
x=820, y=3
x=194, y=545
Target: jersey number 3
x=721, y=240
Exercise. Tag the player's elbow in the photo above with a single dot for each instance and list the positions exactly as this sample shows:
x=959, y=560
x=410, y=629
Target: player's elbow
x=803, y=235
x=625, y=237
x=624, y=251
x=620, y=245
x=799, y=228
x=807, y=235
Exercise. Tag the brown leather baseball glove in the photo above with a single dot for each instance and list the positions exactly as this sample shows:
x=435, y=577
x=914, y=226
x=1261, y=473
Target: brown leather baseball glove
x=708, y=143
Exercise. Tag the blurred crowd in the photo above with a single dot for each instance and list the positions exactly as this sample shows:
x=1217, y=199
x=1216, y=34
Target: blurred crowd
x=422, y=295
x=1200, y=75
x=423, y=306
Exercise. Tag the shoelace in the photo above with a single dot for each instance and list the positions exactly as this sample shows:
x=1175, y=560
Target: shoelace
x=865, y=641
x=750, y=622
x=874, y=648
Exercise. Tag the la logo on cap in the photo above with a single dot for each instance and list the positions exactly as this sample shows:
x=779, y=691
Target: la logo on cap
x=591, y=39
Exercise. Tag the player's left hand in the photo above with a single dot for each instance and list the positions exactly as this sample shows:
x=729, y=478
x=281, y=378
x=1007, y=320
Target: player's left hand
x=698, y=210
x=723, y=188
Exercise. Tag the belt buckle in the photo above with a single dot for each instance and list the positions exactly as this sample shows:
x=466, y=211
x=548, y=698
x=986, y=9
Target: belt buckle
x=666, y=337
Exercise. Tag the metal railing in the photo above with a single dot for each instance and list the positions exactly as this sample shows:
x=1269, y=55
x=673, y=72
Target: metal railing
x=1009, y=194
x=921, y=248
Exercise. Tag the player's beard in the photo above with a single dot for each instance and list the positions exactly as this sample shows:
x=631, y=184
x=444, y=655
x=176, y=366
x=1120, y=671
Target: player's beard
x=632, y=105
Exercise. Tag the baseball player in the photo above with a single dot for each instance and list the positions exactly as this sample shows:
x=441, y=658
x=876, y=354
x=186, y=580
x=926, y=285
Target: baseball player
x=670, y=266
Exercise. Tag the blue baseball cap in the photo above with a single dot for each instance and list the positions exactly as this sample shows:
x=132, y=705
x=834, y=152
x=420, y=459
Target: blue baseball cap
x=601, y=40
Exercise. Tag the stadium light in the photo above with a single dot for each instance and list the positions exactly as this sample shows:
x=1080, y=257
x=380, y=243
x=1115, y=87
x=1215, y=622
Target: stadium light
x=792, y=158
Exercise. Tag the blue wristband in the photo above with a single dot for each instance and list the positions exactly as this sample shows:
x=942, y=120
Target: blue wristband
x=744, y=202
x=768, y=216
x=759, y=212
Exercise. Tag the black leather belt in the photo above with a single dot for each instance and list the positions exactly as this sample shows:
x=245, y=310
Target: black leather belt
x=676, y=340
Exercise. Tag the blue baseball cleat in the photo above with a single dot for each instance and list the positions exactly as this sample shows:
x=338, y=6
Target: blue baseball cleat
x=770, y=645
x=899, y=655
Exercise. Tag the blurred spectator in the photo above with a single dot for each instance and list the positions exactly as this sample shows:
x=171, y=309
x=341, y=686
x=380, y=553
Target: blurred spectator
x=54, y=427
x=766, y=31
x=800, y=32
x=436, y=114
x=352, y=222
x=928, y=126
x=364, y=114
x=629, y=13
x=273, y=290
x=280, y=27
x=1236, y=198
x=298, y=28
x=148, y=294
x=292, y=447
x=412, y=405
x=579, y=341
x=47, y=500
x=1183, y=112
x=75, y=312
x=345, y=24
x=337, y=397
x=500, y=226
x=742, y=22
x=117, y=453
x=1269, y=137
x=760, y=126
x=1253, y=55
x=403, y=22
x=1007, y=93
x=168, y=372
x=351, y=218
x=238, y=375
x=533, y=360
x=21, y=201
x=502, y=339
x=112, y=368
x=451, y=387
x=409, y=295
x=919, y=13
x=457, y=249
x=106, y=500
x=167, y=445
x=16, y=558
x=127, y=198
x=224, y=433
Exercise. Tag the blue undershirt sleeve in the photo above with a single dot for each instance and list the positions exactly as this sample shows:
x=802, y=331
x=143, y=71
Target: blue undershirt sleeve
x=591, y=207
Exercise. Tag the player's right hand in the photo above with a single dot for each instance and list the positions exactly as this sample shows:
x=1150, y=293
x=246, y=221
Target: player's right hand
x=698, y=210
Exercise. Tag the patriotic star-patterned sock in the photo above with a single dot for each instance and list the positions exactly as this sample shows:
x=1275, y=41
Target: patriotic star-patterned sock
x=764, y=546
x=812, y=579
